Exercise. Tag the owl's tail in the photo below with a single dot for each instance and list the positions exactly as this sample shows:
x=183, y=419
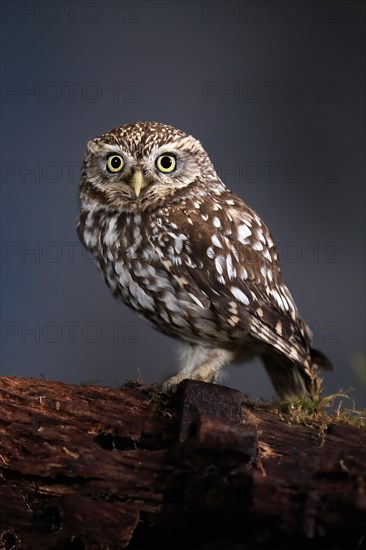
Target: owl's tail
x=291, y=380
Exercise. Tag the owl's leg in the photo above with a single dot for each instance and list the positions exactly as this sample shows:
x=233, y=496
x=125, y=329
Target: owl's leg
x=200, y=363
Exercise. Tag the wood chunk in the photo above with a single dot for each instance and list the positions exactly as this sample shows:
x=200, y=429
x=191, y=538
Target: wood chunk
x=200, y=400
x=101, y=468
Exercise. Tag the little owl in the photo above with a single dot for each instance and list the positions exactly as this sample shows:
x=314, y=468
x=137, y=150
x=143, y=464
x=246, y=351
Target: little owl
x=190, y=256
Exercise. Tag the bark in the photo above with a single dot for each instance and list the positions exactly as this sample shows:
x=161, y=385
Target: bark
x=100, y=468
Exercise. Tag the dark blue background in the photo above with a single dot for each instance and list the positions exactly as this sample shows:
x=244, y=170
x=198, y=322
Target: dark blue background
x=274, y=91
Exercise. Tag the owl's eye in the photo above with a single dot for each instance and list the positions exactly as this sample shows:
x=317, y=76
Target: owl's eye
x=115, y=163
x=166, y=163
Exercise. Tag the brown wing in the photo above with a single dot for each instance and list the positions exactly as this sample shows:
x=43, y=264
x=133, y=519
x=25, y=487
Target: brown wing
x=229, y=263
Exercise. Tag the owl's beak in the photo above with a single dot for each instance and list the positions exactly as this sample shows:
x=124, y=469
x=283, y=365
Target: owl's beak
x=138, y=182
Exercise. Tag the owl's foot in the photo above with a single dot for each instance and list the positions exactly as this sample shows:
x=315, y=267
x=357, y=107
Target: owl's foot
x=203, y=373
x=199, y=363
x=171, y=384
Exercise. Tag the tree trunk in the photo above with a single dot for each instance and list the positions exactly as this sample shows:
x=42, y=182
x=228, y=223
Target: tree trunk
x=100, y=468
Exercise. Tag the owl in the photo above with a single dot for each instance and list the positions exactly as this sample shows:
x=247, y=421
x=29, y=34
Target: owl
x=190, y=256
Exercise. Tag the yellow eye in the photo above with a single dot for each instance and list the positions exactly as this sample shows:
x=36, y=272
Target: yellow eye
x=115, y=163
x=166, y=163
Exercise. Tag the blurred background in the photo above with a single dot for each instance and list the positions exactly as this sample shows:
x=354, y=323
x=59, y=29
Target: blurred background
x=275, y=92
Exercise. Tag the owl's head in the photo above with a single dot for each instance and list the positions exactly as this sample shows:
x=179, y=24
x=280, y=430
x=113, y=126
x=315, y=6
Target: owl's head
x=140, y=165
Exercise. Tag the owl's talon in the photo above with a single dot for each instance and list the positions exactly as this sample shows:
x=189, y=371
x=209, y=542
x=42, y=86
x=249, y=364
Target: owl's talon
x=171, y=384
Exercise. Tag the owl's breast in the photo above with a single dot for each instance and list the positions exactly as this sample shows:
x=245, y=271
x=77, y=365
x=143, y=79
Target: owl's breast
x=132, y=264
x=124, y=256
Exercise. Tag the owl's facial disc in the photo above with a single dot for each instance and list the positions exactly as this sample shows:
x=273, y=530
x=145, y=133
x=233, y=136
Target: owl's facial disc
x=133, y=168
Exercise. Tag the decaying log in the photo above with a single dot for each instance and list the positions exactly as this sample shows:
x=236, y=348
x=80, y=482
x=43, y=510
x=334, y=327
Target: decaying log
x=100, y=468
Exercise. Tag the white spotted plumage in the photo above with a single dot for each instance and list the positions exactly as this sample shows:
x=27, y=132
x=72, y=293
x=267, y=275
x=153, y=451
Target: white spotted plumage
x=191, y=257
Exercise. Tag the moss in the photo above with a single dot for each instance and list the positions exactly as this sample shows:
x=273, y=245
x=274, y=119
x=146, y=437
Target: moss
x=320, y=412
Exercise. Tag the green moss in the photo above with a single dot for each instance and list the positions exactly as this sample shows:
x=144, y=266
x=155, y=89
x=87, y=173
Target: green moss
x=320, y=412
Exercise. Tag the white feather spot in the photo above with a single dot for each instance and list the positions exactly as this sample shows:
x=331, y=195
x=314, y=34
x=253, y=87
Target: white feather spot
x=243, y=233
x=261, y=237
x=234, y=252
x=219, y=264
x=216, y=222
x=110, y=237
x=257, y=246
x=188, y=261
x=231, y=271
x=210, y=252
x=239, y=295
x=196, y=300
x=178, y=245
x=285, y=302
x=215, y=241
x=289, y=299
x=267, y=255
x=243, y=273
x=188, y=248
x=278, y=299
x=177, y=260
